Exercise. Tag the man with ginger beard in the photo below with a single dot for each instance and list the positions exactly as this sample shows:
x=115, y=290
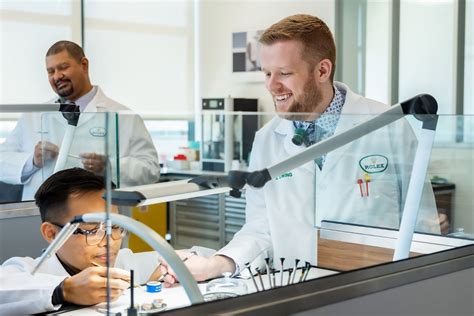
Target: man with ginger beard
x=77, y=273
x=298, y=58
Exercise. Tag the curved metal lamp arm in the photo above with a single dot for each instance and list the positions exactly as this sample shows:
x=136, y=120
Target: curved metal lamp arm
x=157, y=242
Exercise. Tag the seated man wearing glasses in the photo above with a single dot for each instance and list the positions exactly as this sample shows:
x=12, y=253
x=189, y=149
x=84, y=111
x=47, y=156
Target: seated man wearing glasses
x=77, y=273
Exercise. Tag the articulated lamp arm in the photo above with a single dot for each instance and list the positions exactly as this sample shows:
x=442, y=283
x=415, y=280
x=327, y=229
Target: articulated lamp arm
x=423, y=107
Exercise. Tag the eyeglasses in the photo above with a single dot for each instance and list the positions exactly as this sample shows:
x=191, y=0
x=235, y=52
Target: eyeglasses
x=96, y=232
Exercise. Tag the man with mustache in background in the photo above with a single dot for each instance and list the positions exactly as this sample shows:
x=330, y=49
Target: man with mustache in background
x=29, y=153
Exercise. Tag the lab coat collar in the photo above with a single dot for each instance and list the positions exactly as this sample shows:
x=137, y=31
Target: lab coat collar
x=98, y=103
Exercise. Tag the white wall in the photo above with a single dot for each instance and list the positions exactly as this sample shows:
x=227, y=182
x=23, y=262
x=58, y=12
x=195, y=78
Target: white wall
x=219, y=19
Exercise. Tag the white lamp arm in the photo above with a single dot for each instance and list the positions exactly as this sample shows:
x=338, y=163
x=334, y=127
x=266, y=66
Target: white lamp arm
x=423, y=107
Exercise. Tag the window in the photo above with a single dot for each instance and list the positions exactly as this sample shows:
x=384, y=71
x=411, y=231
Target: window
x=141, y=53
x=428, y=50
x=27, y=30
x=403, y=55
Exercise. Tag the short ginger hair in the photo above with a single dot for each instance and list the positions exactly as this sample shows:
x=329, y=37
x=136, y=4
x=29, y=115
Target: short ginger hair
x=312, y=32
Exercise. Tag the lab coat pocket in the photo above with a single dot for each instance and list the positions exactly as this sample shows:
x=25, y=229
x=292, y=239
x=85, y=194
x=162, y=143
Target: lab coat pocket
x=348, y=202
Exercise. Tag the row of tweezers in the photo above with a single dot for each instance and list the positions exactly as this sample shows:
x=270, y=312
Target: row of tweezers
x=271, y=274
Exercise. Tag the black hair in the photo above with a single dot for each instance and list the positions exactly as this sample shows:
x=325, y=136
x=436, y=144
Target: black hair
x=52, y=196
x=74, y=50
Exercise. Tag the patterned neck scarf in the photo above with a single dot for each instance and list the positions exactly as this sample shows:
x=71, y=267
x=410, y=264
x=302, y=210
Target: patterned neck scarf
x=324, y=126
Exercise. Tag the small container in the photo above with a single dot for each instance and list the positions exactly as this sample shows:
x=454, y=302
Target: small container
x=153, y=287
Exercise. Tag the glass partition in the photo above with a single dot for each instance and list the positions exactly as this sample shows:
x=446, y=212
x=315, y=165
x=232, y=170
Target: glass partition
x=451, y=171
x=337, y=211
x=82, y=140
x=361, y=227
x=371, y=175
x=354, y=202
x=323, y=215
x=34, y=142
x=10, y=189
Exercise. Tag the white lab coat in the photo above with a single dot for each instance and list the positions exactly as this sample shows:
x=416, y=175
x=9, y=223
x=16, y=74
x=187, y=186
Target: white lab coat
x=22, y=293
x=137, y=155
x=281, y=217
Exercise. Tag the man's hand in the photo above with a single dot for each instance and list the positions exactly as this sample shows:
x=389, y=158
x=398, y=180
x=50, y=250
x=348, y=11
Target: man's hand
x=44, y=151
x=93, y=162
x=89, y=287
x=201, y=268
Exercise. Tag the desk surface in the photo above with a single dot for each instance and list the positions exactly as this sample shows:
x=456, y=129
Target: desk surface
x=176, y=297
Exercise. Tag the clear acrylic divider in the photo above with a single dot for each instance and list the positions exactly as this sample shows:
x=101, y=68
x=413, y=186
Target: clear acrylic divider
x=361, y=193
x=340, y=211
x=357, y=199
x=11, y=159
x=84, y=144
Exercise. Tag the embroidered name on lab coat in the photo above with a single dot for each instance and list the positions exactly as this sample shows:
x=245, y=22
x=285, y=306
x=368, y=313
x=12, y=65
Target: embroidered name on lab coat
x=285, y=175
x=373, y=163
x=98, y=131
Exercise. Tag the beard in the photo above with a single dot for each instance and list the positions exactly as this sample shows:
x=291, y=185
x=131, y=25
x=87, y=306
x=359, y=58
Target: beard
x=302, y=110
x=65, y=91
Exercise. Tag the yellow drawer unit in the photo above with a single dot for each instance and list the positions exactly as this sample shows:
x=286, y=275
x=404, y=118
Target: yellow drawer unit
x=155, y=217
